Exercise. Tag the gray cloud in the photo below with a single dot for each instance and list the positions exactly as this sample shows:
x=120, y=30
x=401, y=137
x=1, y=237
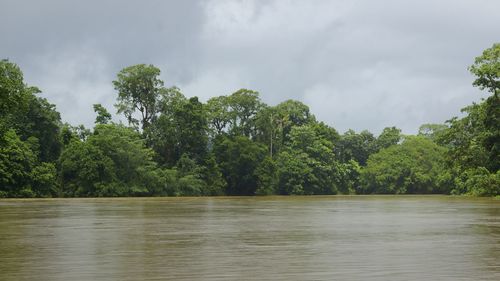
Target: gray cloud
x=358, y=64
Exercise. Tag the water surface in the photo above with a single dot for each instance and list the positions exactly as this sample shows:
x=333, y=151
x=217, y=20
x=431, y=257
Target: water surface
x=264, y=238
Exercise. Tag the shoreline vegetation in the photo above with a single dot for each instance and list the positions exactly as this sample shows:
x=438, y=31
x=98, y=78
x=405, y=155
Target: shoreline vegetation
x=258, y=197
x=236, y=145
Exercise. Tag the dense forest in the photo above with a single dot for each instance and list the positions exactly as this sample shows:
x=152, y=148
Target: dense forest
x=236, y=145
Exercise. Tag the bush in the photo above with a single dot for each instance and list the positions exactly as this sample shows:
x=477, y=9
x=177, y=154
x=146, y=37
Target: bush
x=479, y=182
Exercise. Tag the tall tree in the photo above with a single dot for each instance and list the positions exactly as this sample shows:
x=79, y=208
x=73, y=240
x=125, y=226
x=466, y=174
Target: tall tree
x=307, y=165
x=239, y=158
x=293, y=113
x=389, y=136
x=192, y=127
x=29, y=137
x=139, y=92
x=433, y=132
x=14, y=94
x=113, y=161
x=465, y=140
x=219, y=115
x=103, y=116
x=244, y=106
x=42, y=121
x=473, y=141
x=415, y=166
x=16, y=162
x=180, y=129
x=275, y=123
x=486, y=68
x=29, y=115
x=358, y=147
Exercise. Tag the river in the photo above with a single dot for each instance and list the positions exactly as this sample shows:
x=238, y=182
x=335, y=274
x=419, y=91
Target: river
x=251, y=238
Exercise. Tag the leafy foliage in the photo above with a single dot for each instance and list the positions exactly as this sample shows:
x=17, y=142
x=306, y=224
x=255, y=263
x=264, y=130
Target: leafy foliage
x=21, y=173
x=239, y=158
x=486, y=68
x=236, y=145
x=357, y=147
x=308, y=164
x=139, y=90
x=413, y=167
x=103, y=116
x=29, y=137
x=389, y=136
x=113, y=161
x=433, y=132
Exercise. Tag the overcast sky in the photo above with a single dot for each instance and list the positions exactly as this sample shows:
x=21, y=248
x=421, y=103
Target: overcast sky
x=357, y=64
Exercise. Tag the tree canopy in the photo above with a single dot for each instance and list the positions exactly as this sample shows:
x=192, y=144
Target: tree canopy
x=415, y=167
x=236, y=144
x=139, y=91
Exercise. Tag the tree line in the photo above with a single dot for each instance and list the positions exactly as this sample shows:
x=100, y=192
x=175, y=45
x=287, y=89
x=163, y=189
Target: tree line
x=173, y=145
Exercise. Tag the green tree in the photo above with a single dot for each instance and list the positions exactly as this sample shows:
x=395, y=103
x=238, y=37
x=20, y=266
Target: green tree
x=267, y=177
x=14, y=94
x=358, y=147
x=474, y=140
x=29, y=137
x=268, y=129
x=44, y=180
x=139, y=91
x=85, y=170
x=16, y=162
x=103, y=116
x=349, y=173
x=275, y=123
x=465, y=139
x=183, y=128
x=470, y=152
x=219, y=114
x=29, y=115
x=308, y=165
x=192, y=129
x=21, y=173
x=486, y=68
x=212, y=175
x=294, y=173
x=492, y=131
x=389, y=136
x=44, y=123
x=238, y=158
x=415, y=167
x=163, y=134
x=113, y=161
x=189, y=178
x=433, y=132
x=244, y=105
x=478, y=182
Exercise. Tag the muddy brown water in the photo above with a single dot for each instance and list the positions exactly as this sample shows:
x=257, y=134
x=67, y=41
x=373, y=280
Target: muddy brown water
x=252, y=238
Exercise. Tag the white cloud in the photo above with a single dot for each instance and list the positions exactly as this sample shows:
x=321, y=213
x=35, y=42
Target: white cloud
x=216, y=82
x=74, y=81
x=358, y=63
